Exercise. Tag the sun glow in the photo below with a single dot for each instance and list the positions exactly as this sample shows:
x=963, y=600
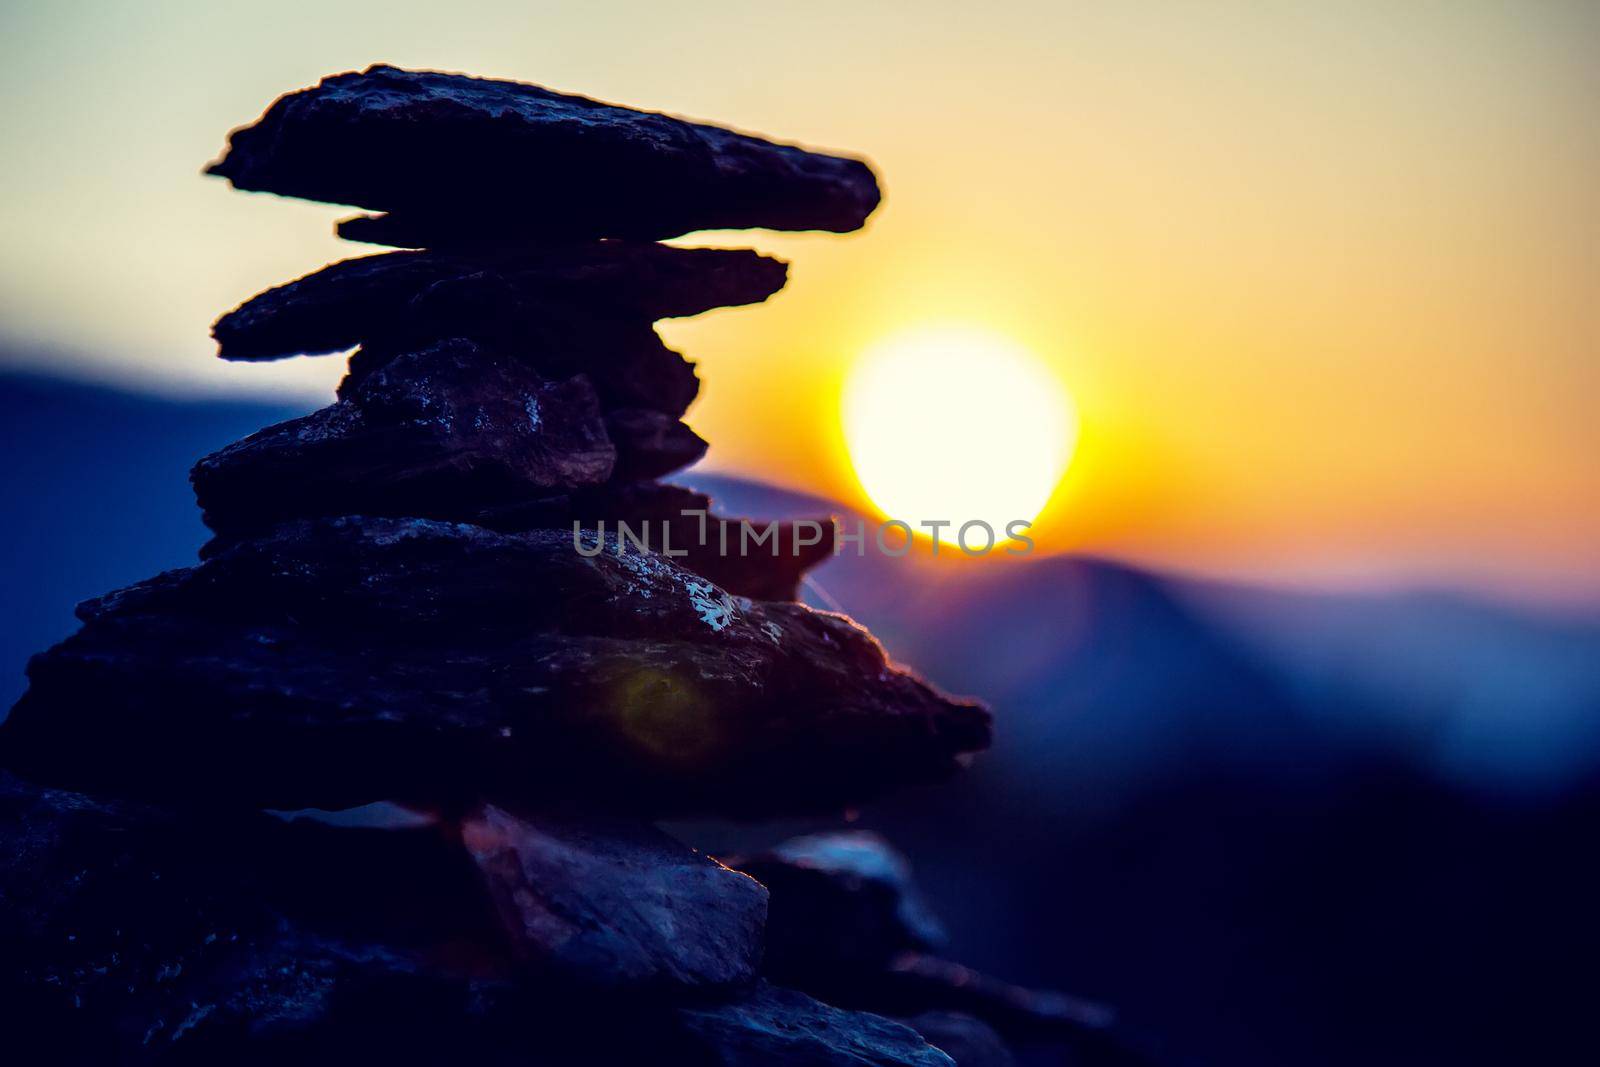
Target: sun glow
x=957, y=424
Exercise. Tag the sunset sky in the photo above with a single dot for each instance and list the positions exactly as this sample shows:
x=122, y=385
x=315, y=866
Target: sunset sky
x=1319, y=278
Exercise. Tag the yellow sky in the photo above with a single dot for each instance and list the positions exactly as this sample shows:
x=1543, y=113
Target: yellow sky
x=1320, y=277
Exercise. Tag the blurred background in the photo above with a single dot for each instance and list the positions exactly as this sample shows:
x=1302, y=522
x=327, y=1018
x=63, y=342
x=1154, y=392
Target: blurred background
x=1298, y=703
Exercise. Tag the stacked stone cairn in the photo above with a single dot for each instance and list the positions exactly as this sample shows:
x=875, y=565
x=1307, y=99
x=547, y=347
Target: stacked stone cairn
x=396, y=623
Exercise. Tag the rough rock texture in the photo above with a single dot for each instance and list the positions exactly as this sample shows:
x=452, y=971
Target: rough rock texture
x=739, y=555
x=342, y=661
x=781, y=1028
x=843, y=902
x=446, y=431
x=845, y=923
x=651, y=444
x=355, y=300
x=614, y=903
x=135, y=935
x=460, y=155
x=629, y=364
x=797, y=547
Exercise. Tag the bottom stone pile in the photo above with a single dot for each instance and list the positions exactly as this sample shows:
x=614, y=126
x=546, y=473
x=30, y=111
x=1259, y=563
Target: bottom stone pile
x=135, y=934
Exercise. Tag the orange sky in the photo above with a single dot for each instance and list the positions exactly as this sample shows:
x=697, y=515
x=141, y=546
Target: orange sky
x=1319, y=277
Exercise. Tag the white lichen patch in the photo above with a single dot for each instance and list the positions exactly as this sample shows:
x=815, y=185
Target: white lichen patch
x=716, y=608
x=650, y=572
x=640, y=566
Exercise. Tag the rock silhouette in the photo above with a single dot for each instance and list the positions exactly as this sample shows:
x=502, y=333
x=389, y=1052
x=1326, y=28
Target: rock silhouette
x=434, y=149
x=398, y=616
x=445, y=431
x=431, y=662
x=847, y=924
x=615, y=904
x=358, y=300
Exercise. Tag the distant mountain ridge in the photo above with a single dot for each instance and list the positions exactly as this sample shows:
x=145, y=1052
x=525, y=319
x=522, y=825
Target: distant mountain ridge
x=1480, y=691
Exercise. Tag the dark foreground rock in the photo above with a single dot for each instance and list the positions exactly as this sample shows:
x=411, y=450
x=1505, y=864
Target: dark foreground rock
x=779, y=1027
x=844, y=903
x=454, y=157
x=759, y=559
x=615, y=903
x=132, y=935
x=138, y=936
x=651, y=444
x=741, y=556
x=357, y=300
x=628, y=363
x=846, y=924
x=446, y=431
x=453, y=431
x=343, y=661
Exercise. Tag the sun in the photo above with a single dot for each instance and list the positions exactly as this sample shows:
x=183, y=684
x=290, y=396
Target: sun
x=957, y=424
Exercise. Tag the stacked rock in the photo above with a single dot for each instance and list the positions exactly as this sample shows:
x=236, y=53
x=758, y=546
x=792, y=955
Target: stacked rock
x=846, y=924
x=395, y=616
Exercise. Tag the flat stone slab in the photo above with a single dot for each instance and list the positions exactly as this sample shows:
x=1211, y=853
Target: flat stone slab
x=342, y=661
x=673, y=517
x=651, y=444
x=615, y=903
x=841, y=902
x=462, y=156
x=443, y=431
x=356, y=300
x=627, y=362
